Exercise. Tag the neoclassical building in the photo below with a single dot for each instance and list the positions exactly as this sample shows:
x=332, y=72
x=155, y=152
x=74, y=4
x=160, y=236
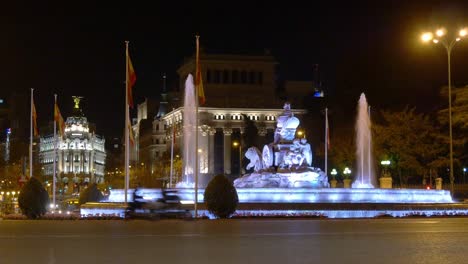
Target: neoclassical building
x=236, y=87
x=219, y=129
x=79, y=152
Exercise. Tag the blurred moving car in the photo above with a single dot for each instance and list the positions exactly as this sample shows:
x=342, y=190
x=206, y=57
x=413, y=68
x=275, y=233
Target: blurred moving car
x=71, y=205
x=169, y=206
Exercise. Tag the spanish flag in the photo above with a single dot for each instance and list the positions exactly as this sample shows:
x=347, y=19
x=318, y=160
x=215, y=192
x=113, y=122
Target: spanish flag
x=34, y=116
x=131, y=79
x=131, y=137
x=198, y=77
x=59, y=119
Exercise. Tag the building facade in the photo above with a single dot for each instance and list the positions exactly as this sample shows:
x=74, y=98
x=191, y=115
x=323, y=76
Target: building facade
x=79, y=153
x=240, y=91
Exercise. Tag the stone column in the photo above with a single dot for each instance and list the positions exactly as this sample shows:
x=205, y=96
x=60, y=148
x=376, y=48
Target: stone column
x=211, y=153
x=203, y=144
x=227, y=150
x=60, y=167
x=262, y=132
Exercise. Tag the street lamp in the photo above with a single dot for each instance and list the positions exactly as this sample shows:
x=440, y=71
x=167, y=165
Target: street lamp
x=464, y=172
x=440, y=37
x=346, y=172
x=300, y=133
x=385, y=164
x=237, y=144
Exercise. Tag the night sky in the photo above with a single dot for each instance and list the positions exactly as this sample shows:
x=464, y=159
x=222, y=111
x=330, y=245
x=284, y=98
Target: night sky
x=70, y=48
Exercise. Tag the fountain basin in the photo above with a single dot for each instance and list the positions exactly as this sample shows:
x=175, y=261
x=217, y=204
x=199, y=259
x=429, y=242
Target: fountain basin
x=307, y=195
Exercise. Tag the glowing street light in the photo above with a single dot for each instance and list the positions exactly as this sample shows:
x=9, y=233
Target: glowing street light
x=441, y=37
x=346, y=172
x=385, y=164
x=237, y=144
x=300, y=133
x=333, y=173
x=464, y=172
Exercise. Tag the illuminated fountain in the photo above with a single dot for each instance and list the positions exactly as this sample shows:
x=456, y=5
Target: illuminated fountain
x=189, y=122
x=283, y=174
x=365, y=172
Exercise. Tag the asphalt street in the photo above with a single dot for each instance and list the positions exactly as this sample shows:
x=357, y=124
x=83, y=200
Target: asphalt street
x=406, y=240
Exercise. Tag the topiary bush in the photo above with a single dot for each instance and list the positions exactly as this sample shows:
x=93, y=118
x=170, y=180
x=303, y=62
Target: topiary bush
x=221, y=197
x=33, y=199
x=90, y=194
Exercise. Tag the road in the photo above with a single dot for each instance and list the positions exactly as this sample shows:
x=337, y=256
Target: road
x=415, y=240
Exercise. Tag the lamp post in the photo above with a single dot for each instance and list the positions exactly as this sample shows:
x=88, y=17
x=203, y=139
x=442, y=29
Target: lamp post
x=237, y=144
x=346, y=172
x=440, y=37
x=464, y=172
x=385, y=164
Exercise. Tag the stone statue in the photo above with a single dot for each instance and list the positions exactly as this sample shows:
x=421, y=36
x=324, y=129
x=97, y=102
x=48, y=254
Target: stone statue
x=76, y=100
x=284, y=163
x=306, y=151
x=294, y=157
x=286, y=126
x=254, y=155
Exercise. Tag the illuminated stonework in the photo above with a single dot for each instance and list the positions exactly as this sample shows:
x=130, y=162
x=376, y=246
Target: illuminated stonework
x=81, y=151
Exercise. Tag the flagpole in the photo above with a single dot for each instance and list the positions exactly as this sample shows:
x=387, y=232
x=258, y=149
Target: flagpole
x=127, y=119
x=172, y=152
x=326, y=141
x=55, y=153
x=196, y=128
x=31, y=136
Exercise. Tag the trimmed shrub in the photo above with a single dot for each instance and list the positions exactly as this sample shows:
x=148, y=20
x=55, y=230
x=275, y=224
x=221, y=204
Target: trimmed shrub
x=33, y=199
x=221, y=197
x=90, y=194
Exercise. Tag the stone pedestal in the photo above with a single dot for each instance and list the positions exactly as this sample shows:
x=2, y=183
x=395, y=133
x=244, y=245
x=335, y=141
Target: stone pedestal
x=385, y=182
x=346, y=183
x=438, y=183
x=332, y=183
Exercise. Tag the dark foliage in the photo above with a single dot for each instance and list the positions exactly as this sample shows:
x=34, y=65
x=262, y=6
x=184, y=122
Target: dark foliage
x=221, y=197
x=90, y=194
x=33, y=199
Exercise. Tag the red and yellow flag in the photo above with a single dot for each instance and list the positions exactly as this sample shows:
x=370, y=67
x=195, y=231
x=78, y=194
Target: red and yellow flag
x=131, y=79
x=34, y=116
x=59, y=119
x=198, y=77
x=131, y=137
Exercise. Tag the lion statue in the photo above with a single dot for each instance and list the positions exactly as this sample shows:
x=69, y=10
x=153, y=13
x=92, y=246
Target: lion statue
x=255, y=157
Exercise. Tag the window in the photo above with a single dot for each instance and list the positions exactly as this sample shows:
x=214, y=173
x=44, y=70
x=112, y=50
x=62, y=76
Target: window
x=235, y=76
x=219, y=117
x=260, y=78
x=252, y=77
x=225, y=76
x=208, y=76
x=243, y=77
x=217, y=76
